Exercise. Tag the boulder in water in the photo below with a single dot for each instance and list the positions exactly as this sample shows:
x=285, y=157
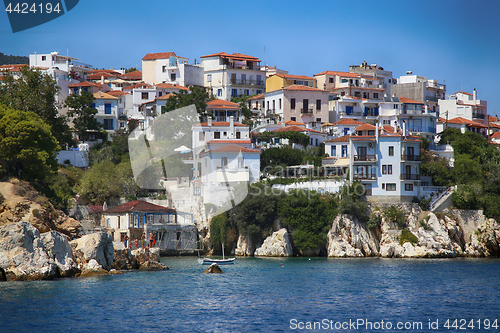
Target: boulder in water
x=214, y=268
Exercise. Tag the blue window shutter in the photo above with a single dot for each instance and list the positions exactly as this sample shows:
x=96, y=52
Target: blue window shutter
x=366, y=111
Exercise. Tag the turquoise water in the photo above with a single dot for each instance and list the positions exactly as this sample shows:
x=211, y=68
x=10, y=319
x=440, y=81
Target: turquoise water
x=258, y=295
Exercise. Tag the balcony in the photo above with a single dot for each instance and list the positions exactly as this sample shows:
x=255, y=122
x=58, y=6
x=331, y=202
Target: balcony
x=306, y=111
x=365, y=158
x=411, y=158
x=478, y=115
x=422, y=129
x=365, y=176
x=226, y=175
x=246, y=82
x=410, y=176
x=433, y=84
x=351, y=113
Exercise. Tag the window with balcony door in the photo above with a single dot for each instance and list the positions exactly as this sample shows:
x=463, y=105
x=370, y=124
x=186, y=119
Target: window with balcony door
x=292, y=103
x=223, y=162
x=318, y=105
x=173, y=76
x=107, y=108
x=344, y=150
x=238, y=135
x=305, y=105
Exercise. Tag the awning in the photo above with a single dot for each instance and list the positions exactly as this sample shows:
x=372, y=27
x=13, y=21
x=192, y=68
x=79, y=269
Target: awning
x=341, y=162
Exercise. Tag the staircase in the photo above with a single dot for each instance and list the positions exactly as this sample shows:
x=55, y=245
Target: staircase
x=443, y=200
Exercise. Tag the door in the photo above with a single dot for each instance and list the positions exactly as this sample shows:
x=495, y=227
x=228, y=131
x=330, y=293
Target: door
x=408, y=172
x=361, y=153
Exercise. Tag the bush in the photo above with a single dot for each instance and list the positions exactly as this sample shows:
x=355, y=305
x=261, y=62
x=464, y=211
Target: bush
x=2, y=199
x=407, y=236
x=423, y=202
x=67, y=161
x=36, y=213
x=425, y=223
x=353, y=202
x=396, y=215
x=374, y=221
x=218, y=231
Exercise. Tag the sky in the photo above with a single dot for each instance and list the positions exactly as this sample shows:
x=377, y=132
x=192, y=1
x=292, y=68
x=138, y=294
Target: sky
x=456, y=42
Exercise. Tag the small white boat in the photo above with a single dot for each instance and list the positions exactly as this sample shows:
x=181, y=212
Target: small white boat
x=223, y=261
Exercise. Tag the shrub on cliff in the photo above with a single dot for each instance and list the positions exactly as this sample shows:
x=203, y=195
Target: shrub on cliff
x=309, y=215
x=218, y=230
x=396, y=215
x=353, y=202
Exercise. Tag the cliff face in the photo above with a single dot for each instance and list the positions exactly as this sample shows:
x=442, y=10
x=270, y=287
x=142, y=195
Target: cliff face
x=449, y=234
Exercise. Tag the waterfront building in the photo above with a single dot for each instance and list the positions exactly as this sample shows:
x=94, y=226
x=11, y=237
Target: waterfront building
x=232, y=75
x=386, y=163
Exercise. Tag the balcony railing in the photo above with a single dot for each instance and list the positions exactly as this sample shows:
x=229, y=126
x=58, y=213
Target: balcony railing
x=422, y=129
x=309, y=111
x=478, y=115
x=369, y=176
x=246, y=82
x=407, y=157
x=365, y=158
x=410, y=176
x=351, y=113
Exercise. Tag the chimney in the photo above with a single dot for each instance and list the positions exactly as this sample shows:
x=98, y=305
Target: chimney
x=474, y=95
x=209, y=120
x=376, y=133
x=102, y=79
x=99, y=94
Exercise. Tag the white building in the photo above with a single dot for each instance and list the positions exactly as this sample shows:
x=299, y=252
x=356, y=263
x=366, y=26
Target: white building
x=374, y=70
x=232, y=75
x=464, y=105
x=65, y=70
x=167, y=67
x=416, y=117
x=462, y=124
x=108, y=111
x=387, y=164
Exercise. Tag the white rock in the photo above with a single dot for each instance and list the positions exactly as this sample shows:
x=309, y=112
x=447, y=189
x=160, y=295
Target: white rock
x=244, y=246
x=276, y=245
x=98, y=246
x=350, y=238
x=57, y=246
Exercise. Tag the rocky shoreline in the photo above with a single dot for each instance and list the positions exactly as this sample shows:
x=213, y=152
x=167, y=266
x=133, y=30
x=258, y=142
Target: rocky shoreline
x=26, y=255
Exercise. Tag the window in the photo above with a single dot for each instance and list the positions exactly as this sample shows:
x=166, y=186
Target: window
x=386, y=122
x=44, y=58
x=342, y=93
x=292, y=103
x=390, y=187
x=160, y=93
x=389, y=169
x=348, y=110
x=375, y=95
x=107, y=108
x=384, y=169
x=234, y=92
x=201, y=136
x=318, y=105
x=224, y=134
x=293, y=118
x=316, y=142
x=247, y=92
x=357, y=94
x=216, y=135
x=164, y=69
x=365, y=95
x=318, y=120
x=391, y=150
x=408, y=187
x=219, y=92
x=280, y=103
x=243, y=78
x=238, y=135
x=274, y=105
x=223, y=162
x=144, y=95
x=383, y=186
x=334, y=151
x=344, y=150
x=209, y=77
x=305, y=104
x=93, y=106
x=394, y=106
x=330, y=80
x=108, y=124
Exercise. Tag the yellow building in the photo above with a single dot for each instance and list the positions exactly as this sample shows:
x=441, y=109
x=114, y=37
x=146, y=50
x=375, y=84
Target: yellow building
x=280, y=81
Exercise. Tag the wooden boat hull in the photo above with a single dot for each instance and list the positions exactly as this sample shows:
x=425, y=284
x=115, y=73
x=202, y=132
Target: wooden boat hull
x=207, y=261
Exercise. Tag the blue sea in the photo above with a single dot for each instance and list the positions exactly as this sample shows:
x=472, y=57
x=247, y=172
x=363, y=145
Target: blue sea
x=260, y=295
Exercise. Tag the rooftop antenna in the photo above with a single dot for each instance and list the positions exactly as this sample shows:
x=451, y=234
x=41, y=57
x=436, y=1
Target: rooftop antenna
x=264, y=57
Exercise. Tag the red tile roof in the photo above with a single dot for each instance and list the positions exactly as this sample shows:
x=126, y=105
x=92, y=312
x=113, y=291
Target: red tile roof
x=460, y=120
x=492, y=118
x=289, y=76
x=344, y=138
x=462, y=92
x=293, y=122
x=409, y=101
x=117, y=93
x=299, y=87
x=495, y=135
x=219, y=124
x=103, y=95
x=138, y=206
x=344, y=74
x=259, y=96
x=135, y=75
x=12, y=68
x=166, y=96
x=170, y=86
x=138, y=85
x=230, y=141
x=365, y=127
x=160, y=55
x=234, y=149
x=296, y=128
x=222, y=104
x=348, y=122
x=98, y=76
x=84, y=84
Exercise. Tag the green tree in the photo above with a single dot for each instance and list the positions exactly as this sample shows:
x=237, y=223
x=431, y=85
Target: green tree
x=218, y=231
x=27, y=146
x=309, y=216
x=80, y=108
x=198, y=96
x=36, y=92
x=353, y=201
x=244, y=109
x=130, y=70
